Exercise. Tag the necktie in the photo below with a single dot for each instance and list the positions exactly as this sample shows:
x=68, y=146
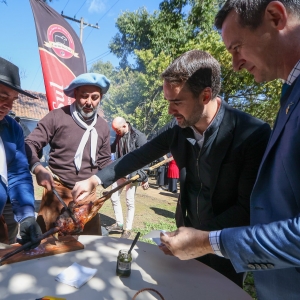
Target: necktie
x=284, y=88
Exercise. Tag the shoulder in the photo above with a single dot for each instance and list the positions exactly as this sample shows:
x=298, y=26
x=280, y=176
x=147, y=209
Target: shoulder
x=137, y=132
x=11, y=124
x=242, y=118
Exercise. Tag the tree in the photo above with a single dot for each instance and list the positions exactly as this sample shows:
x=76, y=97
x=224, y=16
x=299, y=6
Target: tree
x=154, y=41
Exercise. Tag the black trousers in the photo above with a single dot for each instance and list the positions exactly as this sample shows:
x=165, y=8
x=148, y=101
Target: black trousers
x=223, y=266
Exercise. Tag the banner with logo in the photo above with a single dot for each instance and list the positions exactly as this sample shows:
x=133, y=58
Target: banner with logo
x=61, y=52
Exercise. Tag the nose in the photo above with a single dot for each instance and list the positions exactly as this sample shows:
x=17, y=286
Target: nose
x=237, y=63
x=89, y=101
x=171, y=110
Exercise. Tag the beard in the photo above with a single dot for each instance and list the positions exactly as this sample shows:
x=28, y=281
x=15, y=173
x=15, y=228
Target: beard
x=89, y=115
x=196, y=115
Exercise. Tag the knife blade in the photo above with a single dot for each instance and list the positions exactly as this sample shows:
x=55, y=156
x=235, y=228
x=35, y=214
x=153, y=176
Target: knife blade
x=64, y=204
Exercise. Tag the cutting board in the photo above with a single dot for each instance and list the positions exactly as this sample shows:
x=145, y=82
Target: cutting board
x=49, y=246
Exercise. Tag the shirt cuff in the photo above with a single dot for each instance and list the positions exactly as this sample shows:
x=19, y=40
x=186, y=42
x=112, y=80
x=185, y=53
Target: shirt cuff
x=214, y=239
x=98, y=179
x=34, y=166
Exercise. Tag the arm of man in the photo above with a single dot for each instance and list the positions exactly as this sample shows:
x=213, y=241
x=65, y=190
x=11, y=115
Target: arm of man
x=239, y=213
x=125, y=165
x=20, y=190
x=34, y=143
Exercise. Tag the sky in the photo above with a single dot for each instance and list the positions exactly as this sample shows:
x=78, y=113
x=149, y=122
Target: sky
x=18, y=35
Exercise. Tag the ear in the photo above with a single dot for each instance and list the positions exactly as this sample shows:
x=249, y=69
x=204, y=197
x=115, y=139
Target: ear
x=276, y=14
x=206, y=95
x=75, y=92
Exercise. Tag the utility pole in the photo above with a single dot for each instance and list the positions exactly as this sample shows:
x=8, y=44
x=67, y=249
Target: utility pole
x=81, y=21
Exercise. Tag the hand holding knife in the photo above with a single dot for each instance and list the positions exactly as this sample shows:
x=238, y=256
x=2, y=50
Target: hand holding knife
x=64, y=204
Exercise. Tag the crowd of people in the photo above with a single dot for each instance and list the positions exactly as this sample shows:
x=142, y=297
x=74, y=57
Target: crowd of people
x=239, y=198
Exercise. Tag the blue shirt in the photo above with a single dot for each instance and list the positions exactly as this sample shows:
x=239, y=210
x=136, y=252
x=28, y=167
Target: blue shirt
x=20, y=188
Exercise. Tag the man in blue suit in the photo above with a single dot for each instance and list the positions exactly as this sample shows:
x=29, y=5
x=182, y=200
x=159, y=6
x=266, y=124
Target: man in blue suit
x=263, y=37
x=16, y=188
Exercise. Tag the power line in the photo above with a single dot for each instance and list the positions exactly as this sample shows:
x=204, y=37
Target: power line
x=65, y=5
x=98, y=57
x=34, y=76
x=101, y=19
x=80, y=8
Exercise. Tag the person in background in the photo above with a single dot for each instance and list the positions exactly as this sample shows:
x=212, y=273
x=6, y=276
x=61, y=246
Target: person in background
x=173, y=176
x=161, y=175
x=217, y=148
x=16, y=187
x=127, y=139
x=79, y=142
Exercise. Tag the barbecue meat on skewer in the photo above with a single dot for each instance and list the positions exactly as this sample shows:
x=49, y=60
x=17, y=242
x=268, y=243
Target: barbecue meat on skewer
x=83, y=212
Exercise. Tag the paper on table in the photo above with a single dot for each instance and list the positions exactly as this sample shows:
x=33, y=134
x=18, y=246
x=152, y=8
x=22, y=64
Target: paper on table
x=76, y=275
x=154, y=235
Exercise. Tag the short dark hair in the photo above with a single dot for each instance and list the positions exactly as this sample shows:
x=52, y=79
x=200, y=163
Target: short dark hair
x=251, y=12
x=198, y=69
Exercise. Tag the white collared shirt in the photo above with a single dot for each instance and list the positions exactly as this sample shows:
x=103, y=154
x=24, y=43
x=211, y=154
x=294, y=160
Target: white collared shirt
x=3, y=164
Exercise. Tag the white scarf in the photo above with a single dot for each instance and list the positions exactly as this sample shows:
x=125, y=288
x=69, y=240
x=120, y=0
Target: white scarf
x=3, y=164
x=89, y=130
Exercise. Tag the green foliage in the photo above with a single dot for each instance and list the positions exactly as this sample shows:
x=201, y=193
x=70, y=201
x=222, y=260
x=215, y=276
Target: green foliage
x=153, y=41
x=168, y=226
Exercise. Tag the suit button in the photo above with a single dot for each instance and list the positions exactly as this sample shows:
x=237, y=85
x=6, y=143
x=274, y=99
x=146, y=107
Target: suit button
x=270, y=266
x=251, y=266
x=257, y=266
x=263, y=266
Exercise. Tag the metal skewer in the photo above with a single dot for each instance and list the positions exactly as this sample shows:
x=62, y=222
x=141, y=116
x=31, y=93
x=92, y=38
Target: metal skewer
x=29, y=244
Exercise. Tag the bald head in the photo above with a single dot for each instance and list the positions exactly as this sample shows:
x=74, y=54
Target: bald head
x=120, y=126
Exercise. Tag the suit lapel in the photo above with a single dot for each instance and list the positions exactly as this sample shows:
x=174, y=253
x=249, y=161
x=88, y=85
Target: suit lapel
x=283, y=116
x=221, y=145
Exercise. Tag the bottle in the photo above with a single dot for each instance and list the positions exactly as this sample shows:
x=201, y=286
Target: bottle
x=124, y=263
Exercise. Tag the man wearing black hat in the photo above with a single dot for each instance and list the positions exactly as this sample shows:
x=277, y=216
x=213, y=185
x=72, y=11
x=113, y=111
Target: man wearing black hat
x=16, y=186
x=80, y=146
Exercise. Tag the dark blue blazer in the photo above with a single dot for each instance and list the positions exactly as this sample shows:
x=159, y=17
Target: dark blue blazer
x=20, y=187
x=234, y=158
x=271, y=247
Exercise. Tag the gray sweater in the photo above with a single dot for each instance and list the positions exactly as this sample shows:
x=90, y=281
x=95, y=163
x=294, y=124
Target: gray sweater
x=63, y=135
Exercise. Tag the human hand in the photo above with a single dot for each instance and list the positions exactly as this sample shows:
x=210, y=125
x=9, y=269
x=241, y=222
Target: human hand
x=143, y=177
x=29, y=231
x=83, y=188
x=165, y=249
x=187, y=242
x=44, y=177
x=145, y=185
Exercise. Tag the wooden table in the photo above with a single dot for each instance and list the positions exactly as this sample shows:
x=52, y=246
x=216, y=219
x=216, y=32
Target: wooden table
x=174, y=279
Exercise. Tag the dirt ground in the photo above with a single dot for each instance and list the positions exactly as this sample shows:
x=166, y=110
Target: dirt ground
x=152, y=205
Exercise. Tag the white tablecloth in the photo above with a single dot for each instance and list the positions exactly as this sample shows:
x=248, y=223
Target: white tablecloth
x=174, y=279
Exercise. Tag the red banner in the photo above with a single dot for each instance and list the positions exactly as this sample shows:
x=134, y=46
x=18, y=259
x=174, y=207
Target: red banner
x=61, y=53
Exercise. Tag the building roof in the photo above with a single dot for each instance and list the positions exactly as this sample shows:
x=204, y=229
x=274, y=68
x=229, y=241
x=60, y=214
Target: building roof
x=36, y=109
x=26, y=107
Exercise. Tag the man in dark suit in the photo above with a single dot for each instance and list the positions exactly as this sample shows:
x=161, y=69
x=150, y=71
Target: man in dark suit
x=263, y=37
x=217, y=148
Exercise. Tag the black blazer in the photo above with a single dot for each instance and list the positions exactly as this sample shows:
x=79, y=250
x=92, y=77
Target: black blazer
x=234, y=158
